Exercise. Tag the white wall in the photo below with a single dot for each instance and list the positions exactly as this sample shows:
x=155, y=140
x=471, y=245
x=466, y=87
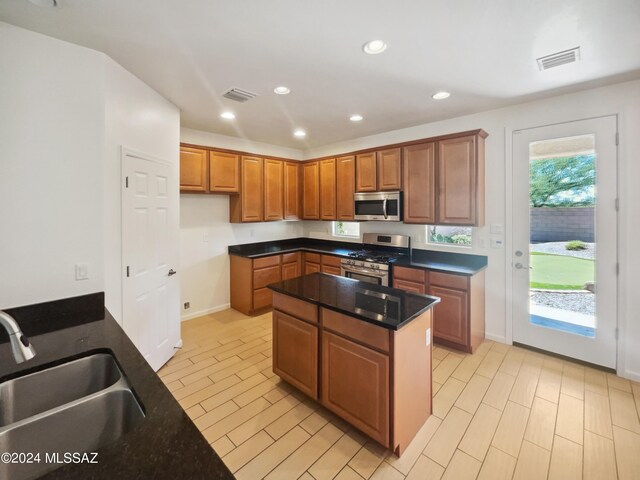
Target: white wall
x=51, y=159
x=139, y=119
x=622, y=99
x=204, y=265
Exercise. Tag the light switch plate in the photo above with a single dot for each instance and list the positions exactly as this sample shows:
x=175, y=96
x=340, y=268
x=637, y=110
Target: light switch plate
x=497, y=242
x=496, y=229
x=82, y=271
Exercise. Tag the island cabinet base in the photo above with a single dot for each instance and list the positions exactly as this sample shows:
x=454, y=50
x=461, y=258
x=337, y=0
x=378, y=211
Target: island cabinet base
x=377, y=379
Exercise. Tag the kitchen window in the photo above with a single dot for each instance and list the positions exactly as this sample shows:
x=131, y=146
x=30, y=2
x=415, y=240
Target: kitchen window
x=446, y=235
x=346, y=229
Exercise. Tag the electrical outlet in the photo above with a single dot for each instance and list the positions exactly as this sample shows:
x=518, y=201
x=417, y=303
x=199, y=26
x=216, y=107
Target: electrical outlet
x=82, y=271
x=187, y=305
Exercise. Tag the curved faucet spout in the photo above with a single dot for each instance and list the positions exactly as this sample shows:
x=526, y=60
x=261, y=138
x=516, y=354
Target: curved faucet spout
x=20, y=346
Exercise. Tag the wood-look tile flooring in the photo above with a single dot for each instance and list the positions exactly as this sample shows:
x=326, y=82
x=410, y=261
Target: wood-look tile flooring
x=501, y=413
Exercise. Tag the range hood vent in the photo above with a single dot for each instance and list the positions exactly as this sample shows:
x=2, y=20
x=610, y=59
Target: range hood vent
x=559, y=58
x=239, y=95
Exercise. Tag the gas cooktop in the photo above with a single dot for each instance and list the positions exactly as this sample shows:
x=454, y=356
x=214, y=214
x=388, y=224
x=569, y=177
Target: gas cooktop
x=374, y=256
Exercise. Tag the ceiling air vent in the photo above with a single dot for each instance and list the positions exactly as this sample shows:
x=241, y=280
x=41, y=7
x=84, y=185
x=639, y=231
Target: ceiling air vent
x=559, y=58
x=239, y=95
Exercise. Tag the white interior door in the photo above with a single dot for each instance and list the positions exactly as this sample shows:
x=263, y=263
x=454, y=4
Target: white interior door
x=151, y=295
x=551, y=310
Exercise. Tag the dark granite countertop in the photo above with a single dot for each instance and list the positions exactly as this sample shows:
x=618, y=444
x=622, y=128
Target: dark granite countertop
x=381, y=306
x=448, y=262
x=165, y=445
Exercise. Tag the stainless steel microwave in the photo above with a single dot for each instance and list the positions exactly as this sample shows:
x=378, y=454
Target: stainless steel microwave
x=383, y=206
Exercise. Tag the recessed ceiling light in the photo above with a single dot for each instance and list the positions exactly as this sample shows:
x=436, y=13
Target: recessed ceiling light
x=298, y=132
x=228, y=115
x=282, y=90
x=356, y=118
x=374, y=47
x=440, y=95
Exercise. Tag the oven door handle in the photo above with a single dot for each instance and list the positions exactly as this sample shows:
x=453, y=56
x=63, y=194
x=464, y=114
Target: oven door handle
x=374, y=273
x=384, y=208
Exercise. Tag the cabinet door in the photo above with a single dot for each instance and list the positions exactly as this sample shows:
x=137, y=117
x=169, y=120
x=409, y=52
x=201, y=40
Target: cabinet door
x=193, y=169
x=409, y=286
x=273, y=190
x=295, y=352
x=311, y=268
x=328, y=189
x=311, y=191
x=291, y=191
x=366, y=172
x=450, y=316
x=457, y=181
x=345, y=177
x=224, y=172
x=389, y=169
x=419, y=183
x=290, y=270
x=331, y=270
x=355, y=385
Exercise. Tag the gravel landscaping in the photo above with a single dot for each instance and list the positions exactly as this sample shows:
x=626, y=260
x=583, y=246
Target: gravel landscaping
x=574, y=302
x=558, y=248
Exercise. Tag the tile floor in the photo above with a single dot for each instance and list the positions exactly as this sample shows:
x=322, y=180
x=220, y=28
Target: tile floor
x=501, y=413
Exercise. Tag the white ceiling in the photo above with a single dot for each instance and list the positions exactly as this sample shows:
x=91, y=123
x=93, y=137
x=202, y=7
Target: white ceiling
x=483, y=52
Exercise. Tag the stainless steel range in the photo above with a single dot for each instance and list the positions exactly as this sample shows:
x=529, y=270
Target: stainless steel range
x=371, y=264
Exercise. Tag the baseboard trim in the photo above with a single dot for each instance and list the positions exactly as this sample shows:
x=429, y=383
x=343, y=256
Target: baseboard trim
x=206, y=311
x=495, y=338
x=629, y=375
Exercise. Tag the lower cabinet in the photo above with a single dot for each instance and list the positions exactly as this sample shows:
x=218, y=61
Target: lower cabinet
x=450, y=320
x=295, y=352
x=291, y=265
x=330, y=264
x=312, y=263
x=355, y=385
x=249, y=280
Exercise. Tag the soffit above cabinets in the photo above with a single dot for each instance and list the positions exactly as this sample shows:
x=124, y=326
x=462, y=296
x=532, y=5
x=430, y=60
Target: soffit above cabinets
x=483, y=53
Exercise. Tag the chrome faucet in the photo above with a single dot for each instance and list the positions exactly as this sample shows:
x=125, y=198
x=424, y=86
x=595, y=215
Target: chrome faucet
x=20, y=346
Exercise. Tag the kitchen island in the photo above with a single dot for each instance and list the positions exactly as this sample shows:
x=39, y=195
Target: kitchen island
x=363, y=351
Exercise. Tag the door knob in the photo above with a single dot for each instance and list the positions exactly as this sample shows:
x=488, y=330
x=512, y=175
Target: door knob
x=172, y=272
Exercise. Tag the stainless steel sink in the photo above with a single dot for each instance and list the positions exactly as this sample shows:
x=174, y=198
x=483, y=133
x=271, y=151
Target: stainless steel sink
x=75, y=407
x=37, y=392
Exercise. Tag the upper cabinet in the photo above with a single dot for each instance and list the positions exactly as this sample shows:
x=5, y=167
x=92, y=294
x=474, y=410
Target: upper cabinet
x=311, y=191
x=389, y=163
x=273, y=190
x=419, y=166
x=345, y=187
x=328, y=189
x=444, y=181
x=193, y=169
x=366, y=172
x=292, y=191
x=248, y=205
x=224, y=172
x=460, y=169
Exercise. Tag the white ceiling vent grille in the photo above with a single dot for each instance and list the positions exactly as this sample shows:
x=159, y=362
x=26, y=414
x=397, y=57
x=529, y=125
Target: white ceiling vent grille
x=239, y=95
x=559, y=58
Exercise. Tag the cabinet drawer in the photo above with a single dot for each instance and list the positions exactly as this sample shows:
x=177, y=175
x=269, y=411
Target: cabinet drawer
x=367, y=334
x=412, y=274
x=290, y=257
x=409, y=286
x=263, y=262
x=265, y=276
x=331, y=261
x=312, y=257
x=298, y=308
x=311, y=268
x=262, y=298
x=331, y=270
x=460, y=282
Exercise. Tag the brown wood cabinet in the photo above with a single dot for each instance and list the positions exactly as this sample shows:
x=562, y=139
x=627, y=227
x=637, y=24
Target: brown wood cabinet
x=248, y=205
x=224, y=172
x=292, y=191
x=273, y=190
x=291, y=265
x=295, y=352
x=194, y=169
x=458, y=320
x=330, y=264
x=328, y=189
x=311, y=191
x=461, y=181
x=312, y=263
x=249, y=280
x=345, y=188
x=419, y=168
x=389, y=164
x=366, y=170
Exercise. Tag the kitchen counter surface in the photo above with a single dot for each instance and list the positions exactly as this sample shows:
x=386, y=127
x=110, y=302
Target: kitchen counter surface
x=448, y=262
x=386, y=307
x=165, y=445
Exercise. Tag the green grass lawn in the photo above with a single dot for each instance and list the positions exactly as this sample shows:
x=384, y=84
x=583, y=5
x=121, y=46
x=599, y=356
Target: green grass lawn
x=560, y=272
